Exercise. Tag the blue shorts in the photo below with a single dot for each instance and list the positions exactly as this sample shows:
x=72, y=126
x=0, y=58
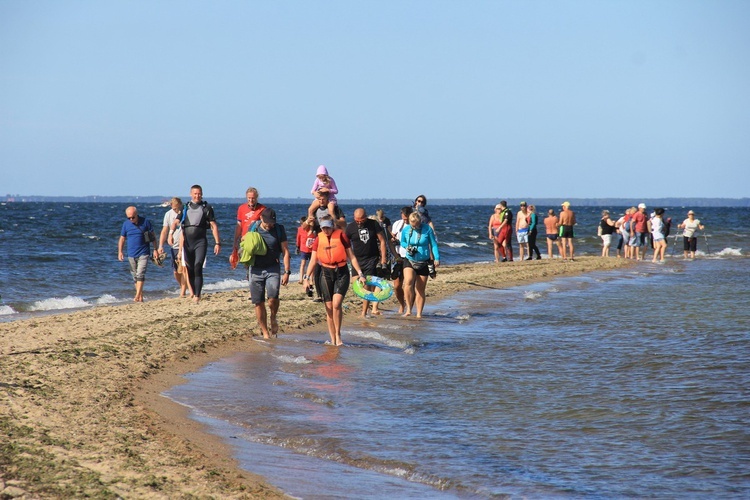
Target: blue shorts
x=640, y=239
x=305, y=255
x=266, y=280
x=175, y=259
x=552, y=236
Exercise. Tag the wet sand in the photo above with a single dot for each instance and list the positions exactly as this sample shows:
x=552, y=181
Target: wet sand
x=81, y=411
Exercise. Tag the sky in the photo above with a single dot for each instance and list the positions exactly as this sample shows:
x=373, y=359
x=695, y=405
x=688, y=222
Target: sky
x=452, y=99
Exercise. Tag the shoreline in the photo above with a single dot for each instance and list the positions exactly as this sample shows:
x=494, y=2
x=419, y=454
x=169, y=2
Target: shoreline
x=83, y=410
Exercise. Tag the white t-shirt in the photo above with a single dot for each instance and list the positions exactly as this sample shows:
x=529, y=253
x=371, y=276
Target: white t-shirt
x=656, y=228
x=690, y=227
x=169, y=218
x=396, y=229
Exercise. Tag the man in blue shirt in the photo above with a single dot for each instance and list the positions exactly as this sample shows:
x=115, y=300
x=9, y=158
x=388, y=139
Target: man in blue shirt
x=139, y=234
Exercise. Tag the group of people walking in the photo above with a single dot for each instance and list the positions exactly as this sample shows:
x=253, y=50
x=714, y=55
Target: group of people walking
x=333, y=252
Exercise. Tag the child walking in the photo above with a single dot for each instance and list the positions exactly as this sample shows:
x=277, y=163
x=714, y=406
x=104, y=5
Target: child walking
x=324, y=183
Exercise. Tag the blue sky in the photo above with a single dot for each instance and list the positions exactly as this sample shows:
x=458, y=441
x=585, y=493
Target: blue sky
x=483, y=99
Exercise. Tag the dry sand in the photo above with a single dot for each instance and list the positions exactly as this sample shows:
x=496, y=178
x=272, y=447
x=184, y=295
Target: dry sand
x=81, y=413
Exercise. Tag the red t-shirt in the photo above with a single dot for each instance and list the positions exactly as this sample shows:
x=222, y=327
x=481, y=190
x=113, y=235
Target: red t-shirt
x=639, y=219
x=246, y=216
x=305, y=240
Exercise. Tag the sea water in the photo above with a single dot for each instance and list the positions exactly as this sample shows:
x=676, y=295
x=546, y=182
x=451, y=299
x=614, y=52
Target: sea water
x=63, y=256
x=630, y=383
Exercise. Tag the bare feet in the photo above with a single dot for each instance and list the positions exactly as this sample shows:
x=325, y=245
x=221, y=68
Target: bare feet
x=274, y=327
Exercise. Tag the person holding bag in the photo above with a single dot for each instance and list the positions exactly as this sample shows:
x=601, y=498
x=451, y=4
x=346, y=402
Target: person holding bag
x=138, y=232
x=419, y=242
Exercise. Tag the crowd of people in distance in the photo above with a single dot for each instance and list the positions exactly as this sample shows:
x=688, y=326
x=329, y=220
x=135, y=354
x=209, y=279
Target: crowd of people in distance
x=332, y=251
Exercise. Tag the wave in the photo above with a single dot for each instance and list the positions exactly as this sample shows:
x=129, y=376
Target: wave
x=227, y=284
x=296, y=360
x=529, y=295
x=69, y=302
x=7, y=311
x=106, y=299
x=457, y=245
x=378, y=337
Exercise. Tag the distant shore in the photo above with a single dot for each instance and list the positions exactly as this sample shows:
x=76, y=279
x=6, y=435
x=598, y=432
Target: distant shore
x=81, y=408
x=545, y=201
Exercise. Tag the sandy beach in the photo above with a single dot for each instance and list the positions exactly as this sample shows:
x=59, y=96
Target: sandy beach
x=82, y=413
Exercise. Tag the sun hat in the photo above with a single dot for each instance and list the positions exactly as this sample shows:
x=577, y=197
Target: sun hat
x=642, y=205
x=523, y=204
x=498, y=207
x=268, y=216
x=566, y=204
x=690, y=212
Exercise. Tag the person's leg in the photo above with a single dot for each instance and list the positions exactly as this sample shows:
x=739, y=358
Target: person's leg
x=409, y=277
x=398, y=290
x=338, y=318
x=140, y=276
x=572, y=248
x=261, y=316
x=311, y=209
x=273, y=308
x=497, y=249
x=420, y=284
x=330, y=323
x=549, y=248
x=302, y=265
x=563, y=248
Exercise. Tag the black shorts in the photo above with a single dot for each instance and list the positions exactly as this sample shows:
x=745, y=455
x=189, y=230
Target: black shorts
x=368, y=265
x=566, y=232
x=420, y=268
x=690, y=244
x=333, y=281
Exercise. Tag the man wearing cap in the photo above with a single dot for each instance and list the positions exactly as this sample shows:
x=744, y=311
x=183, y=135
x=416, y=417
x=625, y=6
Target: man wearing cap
x=247, y=214
x=567, y=221
x=639, y=228
x=265, y=273
x=522, y=230
x=689, y=226
x=369, y=246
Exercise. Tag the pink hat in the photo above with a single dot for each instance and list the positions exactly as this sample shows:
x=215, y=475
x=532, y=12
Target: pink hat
x=322, y=170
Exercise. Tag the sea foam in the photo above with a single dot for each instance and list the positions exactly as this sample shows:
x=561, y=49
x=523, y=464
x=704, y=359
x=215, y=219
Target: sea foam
x=55, y=303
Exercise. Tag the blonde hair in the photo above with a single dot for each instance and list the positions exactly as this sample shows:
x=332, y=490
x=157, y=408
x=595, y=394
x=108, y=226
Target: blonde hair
x=414, y=217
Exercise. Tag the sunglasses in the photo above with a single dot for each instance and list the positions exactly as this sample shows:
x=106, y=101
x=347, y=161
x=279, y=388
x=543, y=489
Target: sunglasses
x=133, y=218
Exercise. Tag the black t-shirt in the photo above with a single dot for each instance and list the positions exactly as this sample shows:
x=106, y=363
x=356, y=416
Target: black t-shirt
x=364, y=239
x=274, y=246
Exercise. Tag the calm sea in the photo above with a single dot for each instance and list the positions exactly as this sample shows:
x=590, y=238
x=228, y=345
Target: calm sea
x=631, y=383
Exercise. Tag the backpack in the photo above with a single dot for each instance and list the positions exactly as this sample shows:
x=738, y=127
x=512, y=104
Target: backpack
x=253, y=244
x=666, y=226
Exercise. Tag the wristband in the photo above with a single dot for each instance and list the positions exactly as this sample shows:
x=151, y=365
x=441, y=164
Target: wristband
x=305, y=277
x=287, y=272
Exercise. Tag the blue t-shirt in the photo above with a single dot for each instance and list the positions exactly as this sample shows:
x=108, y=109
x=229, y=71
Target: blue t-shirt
x=133, y=234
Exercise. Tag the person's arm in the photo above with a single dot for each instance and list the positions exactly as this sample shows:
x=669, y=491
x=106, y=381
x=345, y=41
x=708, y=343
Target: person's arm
x=434, y=247
x=236, y=237
x=163, y=237
x=215, y=231
x=489, y=228
x=120, y=245
x=287, y=263
x=355, y=264
x=381, y=245
x=332, y=188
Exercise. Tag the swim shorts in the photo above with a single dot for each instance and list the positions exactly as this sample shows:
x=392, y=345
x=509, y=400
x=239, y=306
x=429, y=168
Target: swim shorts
x=552, y=236
x=333, y=281
x=368, y=265
x=522, y=236
x=566, y=232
